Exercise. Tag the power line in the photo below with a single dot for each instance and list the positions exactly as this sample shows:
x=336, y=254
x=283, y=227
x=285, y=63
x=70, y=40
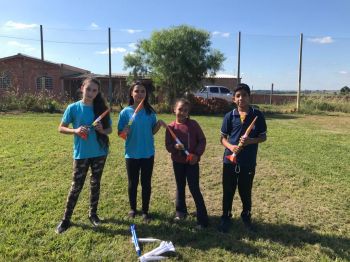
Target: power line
x=65, y=42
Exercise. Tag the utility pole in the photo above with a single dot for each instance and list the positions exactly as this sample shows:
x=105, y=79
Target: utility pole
x=239, y=59
x=110, y=69
x=42, y=42
x=271, y=93
x=300, y=64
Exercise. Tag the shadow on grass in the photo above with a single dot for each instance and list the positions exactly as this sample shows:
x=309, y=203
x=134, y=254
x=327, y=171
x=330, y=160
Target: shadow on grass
x=185, y=234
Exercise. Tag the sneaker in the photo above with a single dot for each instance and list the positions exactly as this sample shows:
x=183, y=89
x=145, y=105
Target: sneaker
x=146, y=217
x=132, y=213
x=246, y=218
x=180, y=216
x=201, y=226
x=225, y=225
x=62, y=226
x=249, y=226
x=95, y=220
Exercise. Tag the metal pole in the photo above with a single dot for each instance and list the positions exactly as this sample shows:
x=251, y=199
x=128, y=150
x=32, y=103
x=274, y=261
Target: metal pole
x=42, y=42
x=271, y=93
x=239, y=59
x=300, y=64
x=110, y=69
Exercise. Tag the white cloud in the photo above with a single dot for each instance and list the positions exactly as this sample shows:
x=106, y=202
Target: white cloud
x=343, y=72
x=16, y=25
x=322, y=40
x=132, y=45
x=94, y=26
x=114, y=50
x=222, y=34
x=131, y=31
x=24, y=47
x=225, y=34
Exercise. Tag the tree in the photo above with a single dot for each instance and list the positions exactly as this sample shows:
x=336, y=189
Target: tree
x=176, y=59
x=345, y=90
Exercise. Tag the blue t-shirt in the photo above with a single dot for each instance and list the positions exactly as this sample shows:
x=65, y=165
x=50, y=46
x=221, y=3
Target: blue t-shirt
x=233, y=129
x=139, y=142
x=79, y=114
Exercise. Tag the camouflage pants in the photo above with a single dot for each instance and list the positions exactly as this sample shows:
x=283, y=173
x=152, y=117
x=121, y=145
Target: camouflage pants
x=80, y=169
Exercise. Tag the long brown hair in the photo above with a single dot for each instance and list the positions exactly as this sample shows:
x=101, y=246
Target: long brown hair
x=99, y=106
x=149, y=109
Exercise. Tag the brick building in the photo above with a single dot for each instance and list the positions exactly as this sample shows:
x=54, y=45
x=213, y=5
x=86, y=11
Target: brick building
x=26, y=74
x=230, y=81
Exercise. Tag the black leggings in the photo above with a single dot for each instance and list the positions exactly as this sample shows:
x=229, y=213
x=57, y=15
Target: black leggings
x=230, y=180
x=133, y=168
x=189, y=173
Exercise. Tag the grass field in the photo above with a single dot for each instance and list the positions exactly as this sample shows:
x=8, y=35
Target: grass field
x=301, y=195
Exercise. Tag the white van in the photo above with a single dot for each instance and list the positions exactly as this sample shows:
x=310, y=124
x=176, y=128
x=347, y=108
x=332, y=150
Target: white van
x=215, y=91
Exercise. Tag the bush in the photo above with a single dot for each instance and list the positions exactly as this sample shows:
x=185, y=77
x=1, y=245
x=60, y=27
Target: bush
x=200, y=105
x=327, y=104
x=162, y=108
x=41, y=102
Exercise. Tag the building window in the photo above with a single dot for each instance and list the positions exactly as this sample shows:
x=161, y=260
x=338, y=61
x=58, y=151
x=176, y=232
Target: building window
x=5, y=80
x=44, y=82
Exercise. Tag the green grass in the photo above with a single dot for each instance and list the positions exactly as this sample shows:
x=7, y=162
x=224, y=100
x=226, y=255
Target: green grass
x=300, y=196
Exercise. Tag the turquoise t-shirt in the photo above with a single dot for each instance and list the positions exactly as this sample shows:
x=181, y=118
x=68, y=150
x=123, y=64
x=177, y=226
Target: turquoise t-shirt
x=139, y=142
x=79, y=114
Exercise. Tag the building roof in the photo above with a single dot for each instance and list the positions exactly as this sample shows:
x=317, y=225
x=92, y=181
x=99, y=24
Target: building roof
x=65, y=66
x=222, y=76
x=84, y=75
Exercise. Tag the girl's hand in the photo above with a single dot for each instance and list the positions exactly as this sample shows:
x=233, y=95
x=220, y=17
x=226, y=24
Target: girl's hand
x=179, y=146
x=162, y=123
x=126, y=129
x=82, y=130
x=194, y=159
x=99, y=128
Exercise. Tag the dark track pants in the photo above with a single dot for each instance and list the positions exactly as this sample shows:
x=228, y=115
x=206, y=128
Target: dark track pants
x=230, y=181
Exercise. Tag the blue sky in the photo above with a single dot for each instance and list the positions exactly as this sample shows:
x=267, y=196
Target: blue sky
x=75, y=33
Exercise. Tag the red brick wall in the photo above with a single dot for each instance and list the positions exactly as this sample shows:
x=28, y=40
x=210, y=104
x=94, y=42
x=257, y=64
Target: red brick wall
x=24, y=72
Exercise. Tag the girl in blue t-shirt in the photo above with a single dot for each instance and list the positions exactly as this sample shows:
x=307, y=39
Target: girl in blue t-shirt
x=139, y=146
x=90, y=147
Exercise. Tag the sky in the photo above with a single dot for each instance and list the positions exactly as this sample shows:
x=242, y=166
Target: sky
x=76, y=33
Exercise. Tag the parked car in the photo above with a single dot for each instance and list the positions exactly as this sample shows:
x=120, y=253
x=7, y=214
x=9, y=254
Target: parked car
x=215, y=91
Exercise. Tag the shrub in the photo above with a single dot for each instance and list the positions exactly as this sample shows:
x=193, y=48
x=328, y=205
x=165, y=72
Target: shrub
x=200, y=105
x=328, y=104
x=163, y=108
x=41, y=102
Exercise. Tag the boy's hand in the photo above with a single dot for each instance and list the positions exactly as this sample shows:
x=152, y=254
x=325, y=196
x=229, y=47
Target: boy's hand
x=235, y=149
x=245, y=141
x=194, y=159
x=82, y=130
x=179, y=146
